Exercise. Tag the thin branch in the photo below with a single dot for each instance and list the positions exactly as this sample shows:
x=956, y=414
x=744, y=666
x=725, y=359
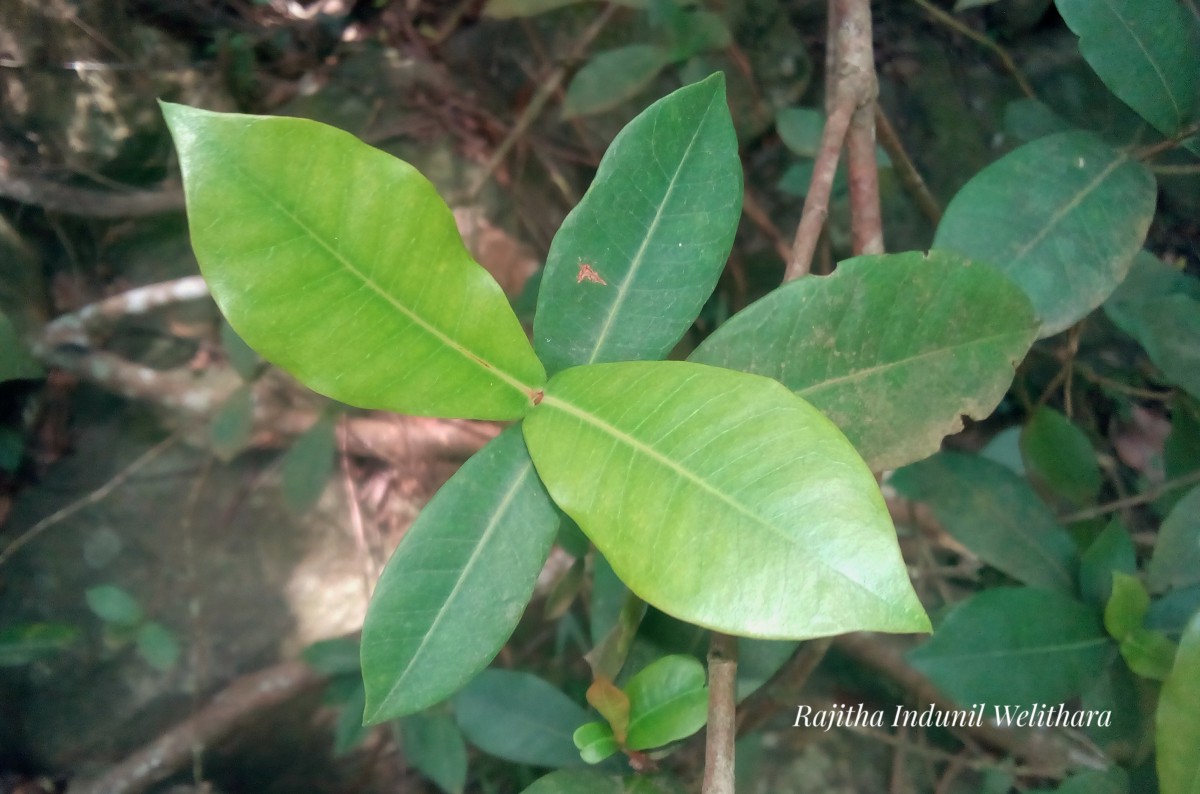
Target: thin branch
x=1148, y=495
x=784, y=687
x=1189, y=169
x=1146, y=152
x=816, y=203
x=950, y=21
x=910, y=177
x=857, y=79
x=98, y=495
x=87, y=202
x=722, y=715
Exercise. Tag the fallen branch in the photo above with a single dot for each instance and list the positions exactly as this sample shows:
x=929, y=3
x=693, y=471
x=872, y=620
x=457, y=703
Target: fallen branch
x=88, y=202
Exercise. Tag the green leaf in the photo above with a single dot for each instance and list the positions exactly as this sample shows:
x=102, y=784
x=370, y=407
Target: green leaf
x=337, y=656
x=573, y=781
x=1062, y=216
x=1059, y=455
x=1170, y=613
x=609, y=78
x=1114, y=780
x=157, y=645
x=520, y=718
x=654, y=230
x=433, y=745
x=668, y=701
x=15, y=361
x=1149, y=279
x=232, y=425
x=894, y=349
x=1178, y=718
x=1015, y=646
x=995, y=514
x=241, y=357
x=722, y=499
x=457, y=584
x=342, y=265
x=308, y=464
x=1112, y=551
x=596, y=741
x=1146, y=51
x=349, y=731
x=1028, y=119
x=800, y=129
x=114, y=605
x=1176, y=560
x=1170, y=333
x=963, y=5
x=506, y=9
x=25, y=644
x=758, y=661
x=1148, y=653
x=700, y=31
x=1126, y=607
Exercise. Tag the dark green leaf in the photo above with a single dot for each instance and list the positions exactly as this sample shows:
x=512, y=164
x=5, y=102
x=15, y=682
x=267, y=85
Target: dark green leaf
x=758, y=660
x=1176, y=560
x=342, y=265
x=1149, y=279
x=1170, y=333
x=1028, y=119
x=1148, y=653
x=157, y=645
x=456, y=586
x=1126, y=607
x=15, y=361
x=1181, y=451
x=520, y=718
x=233, y=424
x=505, y=9
x=894, y=349
x=1114, y=780
x=1178, y=718
x=1112, y=551
x=596, y=741
x=1015, y=646
x=241, y=357
x=668, y=701
x=1062, y=216
x=114, y=605
x=995, y=514
x=434, y=746
x=308, y=464
x=1170, y=613
x=609, y=78
x=572, y=781
x=1059, y=455
x=349, y=731
x=800, y=129
x=654, y=230
x=21, y=645
x=337, y=656
x=1146, y=51
x=722, y=499
x=701, y=31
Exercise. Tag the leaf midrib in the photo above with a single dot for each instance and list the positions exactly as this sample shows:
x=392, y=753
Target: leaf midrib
x=1162, y=78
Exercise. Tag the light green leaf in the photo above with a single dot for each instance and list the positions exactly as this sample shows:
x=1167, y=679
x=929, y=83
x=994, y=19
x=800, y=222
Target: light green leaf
x=434, y=746
x=1062, y=216
x=1176, y=560
x=157, y=645
x=1059, y=455
x=668, y=701
x=507, y=9
x=233, y=423
x=24, y=644
x=114, y=605
x=1111, y=551
x=1126, y=607
x=995, y=514
x=520, y=718
x=1178, y=719
x=15, y=361
x=1146, y=51
x=342, y=265
x=722, y=499
x=596, y=741
x=457, y=584
x=609, y=78
x=1015, y=646
x=894, y=349
x=307, y=465
x=1148, y=653
x=654, y=230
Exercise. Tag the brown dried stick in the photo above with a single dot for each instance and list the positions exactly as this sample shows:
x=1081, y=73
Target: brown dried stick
x=722, y=715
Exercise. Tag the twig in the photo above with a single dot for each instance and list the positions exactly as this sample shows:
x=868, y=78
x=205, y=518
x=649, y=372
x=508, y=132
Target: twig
x=758, y=215
x=722, y=715
x=173, y=750
x=1188, y=169
x=816, y=203
x=856, y=55
x=119, y=479
x=1148, y=495
x=1146, y=152
x=1002, y=54
x=86, y=202
x=910, y=177
x=785, y=686
x=538, y=102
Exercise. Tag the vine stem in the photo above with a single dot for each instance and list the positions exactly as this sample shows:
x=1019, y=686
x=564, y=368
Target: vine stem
x=722, y=715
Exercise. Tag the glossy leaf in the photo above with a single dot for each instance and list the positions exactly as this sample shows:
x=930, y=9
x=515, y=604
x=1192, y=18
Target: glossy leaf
x=1178, y=719
x=342, y=265
x=520, y=718
x=1176, y=560
x=1059, y=455
x=668, y=701
x=434, y=746
x=995, y=514
x=1146, y=51
x=308, y=464
x=15, y=361
x=654, y=230
x=456, y=586
x=596, y=741
x=609, y=78
x=1111, y=552
x=722, y=499
x=1126, y=607
x=114, y=605
x=1062, y=216
x=894, y=349
x=1015, y=646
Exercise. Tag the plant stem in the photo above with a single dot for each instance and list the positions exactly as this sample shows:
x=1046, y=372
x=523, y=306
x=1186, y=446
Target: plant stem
x=910, y=177
x=722, y=715
x=1148, y=495
x=856, y=54
x=957, y=26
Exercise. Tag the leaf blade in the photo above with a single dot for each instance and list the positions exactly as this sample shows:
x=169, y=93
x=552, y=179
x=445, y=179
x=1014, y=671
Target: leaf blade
x=1178, y=718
